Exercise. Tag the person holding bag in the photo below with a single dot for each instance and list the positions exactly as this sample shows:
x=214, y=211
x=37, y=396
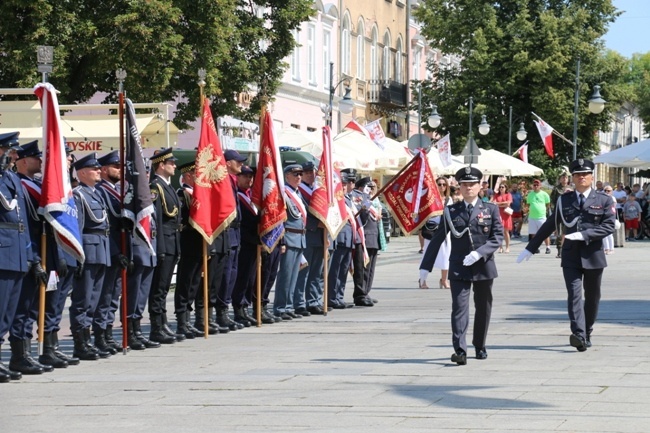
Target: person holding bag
x=503, y=199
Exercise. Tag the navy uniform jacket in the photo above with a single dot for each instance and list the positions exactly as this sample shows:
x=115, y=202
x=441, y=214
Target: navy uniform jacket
x=168, y=217
x=15, y=244
x=113, y=202
x=595, y=221
x=31, y=191
x=93, y=224
x=141, y=255
x=314, y=234
x=233, y=228
x=363, y=204
x=249, y=221
x=191, y=240
x=486, y=235
x=345, y=238
x=294, y=226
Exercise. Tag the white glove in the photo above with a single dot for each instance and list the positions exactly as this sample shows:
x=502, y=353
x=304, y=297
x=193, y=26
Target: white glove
x=524, y=256
x=471, y=258
x=577, y=236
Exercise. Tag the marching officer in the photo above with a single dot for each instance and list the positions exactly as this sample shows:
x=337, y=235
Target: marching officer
x=15, y=261
x=294, y=241
x=476, y=234
x=367, y=218
x=110, y=297
x=586, y=217
x=168, y=219
x=89, y=277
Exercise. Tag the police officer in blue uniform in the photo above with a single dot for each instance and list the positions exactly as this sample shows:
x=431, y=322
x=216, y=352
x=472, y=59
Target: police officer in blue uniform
x=16, y=254
x=586, y=217
x=109, y=299
x=294, y=242
x=89, y=278
x=168, y=248
x=342, y=256
x=476, y=234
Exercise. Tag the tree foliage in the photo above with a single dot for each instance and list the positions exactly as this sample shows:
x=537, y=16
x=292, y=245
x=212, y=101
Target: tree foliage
x=638, y=79
x=522, y=53
x=160, y=43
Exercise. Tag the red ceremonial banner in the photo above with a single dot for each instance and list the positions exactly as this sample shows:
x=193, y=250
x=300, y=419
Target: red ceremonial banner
x=413, y=197
x=213, y=203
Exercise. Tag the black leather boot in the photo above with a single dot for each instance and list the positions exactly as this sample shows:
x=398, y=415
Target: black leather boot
x=199, y=323
x=167, y=330
x=49, y=357
x=244, y=312
x=240, y=317
x=133, y=341
x=197, y=332
x=157, y=334
x=81, y=349
x=223, y=320
x=20, y=361
x=137, y=331
x=89, y=342
x=182, y=330
x=13, y=375
x=28, y=350
x=105, y=351
x=71, y=360
x=267, y=319
x=110, y=340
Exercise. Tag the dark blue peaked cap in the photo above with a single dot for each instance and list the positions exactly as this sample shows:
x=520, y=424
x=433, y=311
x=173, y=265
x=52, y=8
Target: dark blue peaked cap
x=29, y=149
x=9, y=139
x=109, y=159
x=87, y=161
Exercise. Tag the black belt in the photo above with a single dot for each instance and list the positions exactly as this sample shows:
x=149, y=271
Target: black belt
x=234, y=225
x=99, y=232
x=299, y=231
x=13, y=226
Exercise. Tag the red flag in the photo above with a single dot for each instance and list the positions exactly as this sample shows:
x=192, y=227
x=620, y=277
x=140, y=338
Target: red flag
x=213, y=203
x=267, y=188
x=327, y=202
x=413, y=197
x=546, y=132
x=356, y=126
x=523, y=152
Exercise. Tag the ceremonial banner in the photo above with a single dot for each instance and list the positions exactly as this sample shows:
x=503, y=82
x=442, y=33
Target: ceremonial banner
x=213, y=203
x=268, y=188
x=444, y=150
x=57, y=202
x=546, y=132
x=138, y=205
x=327, y=202
x=413, y=197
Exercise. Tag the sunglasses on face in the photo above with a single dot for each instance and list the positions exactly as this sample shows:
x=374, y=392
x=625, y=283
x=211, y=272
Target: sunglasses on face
x=442, y=184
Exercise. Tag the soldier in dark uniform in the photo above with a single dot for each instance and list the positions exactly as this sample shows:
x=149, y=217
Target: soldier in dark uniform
x=368, y=216
x=110, y=297
x=586, y=217
x=476, y=234
x=14, y=261
x=89, y=277
x=344, y=245
x=28, y=165
x=168, y=219
x=294, y=241
x=190, y=266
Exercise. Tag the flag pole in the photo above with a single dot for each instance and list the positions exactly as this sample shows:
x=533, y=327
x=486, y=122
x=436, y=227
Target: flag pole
x=554, y=131
x=258, y=286
x=41, y=301
x=121, y=75
x=325, y=271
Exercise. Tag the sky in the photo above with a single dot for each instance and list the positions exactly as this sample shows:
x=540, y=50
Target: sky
x=631, y=32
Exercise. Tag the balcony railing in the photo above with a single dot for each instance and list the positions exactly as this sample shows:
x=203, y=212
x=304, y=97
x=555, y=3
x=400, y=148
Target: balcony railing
x=386, y=95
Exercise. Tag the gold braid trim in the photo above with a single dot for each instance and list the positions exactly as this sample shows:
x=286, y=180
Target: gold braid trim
x=173, y=212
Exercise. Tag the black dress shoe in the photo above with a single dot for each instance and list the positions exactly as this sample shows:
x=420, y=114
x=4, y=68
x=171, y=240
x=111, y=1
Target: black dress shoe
x=578, y=342
x=285, y=316
x=292, y=315
x=588, y=342
x=337, y=306
x=303, y=312
x=374, y=301
x=481, y=353
x=459, y=357
x=363, y=302
x=315, y=310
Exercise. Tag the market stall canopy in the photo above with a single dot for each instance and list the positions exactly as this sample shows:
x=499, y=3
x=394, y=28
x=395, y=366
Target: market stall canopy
x=493, y=162
x=634, y=155
x=393, y=156
x=85, y=133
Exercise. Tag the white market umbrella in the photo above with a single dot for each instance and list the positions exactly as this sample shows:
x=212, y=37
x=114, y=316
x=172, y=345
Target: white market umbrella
x=634, y=155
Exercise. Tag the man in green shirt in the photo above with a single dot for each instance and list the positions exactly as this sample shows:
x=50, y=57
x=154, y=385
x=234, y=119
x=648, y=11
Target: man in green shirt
x=539, y=204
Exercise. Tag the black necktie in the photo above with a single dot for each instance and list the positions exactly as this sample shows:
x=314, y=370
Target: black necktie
x=581, y=200
x=469, y=209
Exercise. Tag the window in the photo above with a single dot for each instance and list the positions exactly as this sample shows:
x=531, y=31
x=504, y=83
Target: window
x=345, y=46
x=374, y=56
x=386, y=64
x=398, y=61
x=311, y=54
x=295, y=57
x=417, y=63
x=361, y=51
x=327, y=58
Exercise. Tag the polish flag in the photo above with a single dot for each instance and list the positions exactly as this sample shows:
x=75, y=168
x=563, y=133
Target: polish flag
x=522, y=152
x=546, y=132
x=356, y=126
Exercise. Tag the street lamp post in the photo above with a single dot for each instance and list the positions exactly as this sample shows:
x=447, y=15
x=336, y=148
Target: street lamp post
x=596, y=106
x=470, y=156
x=521, y=133
x=345, y=104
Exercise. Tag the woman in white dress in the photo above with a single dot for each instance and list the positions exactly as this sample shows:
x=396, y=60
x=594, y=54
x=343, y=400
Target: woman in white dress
x=442, y=260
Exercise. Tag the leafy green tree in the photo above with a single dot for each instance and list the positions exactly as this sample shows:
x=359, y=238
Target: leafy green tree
x=522, y=53
x=638, y=79
x=160, y=43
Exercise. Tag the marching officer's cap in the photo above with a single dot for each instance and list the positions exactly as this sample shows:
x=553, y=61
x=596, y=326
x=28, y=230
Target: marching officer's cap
x=293, y=168
x=110, y=158
x=9, y=139
x=163, y=155
x=247, y=170
x=468, y=175
x=187, y=167
x=308, y=166
x=581, y=165
x=231, y=154
x=362, y=182
x=349, y=175
x=29, y=149
x=88, y=161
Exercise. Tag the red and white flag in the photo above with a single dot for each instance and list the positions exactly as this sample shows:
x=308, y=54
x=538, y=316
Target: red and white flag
x=376, y=133
x=57, y=202
x=356, y=126
x=444, y=150
x=268, y=187
x=522, y=152
x=213, y=203
x=546, y=132
x=327, y=202
x=413, y=197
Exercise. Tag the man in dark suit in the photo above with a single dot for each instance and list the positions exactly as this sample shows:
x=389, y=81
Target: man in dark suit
x=368, y=216
x=295, y=243
x=168, y=249
x=476, y=234
x=586, y=217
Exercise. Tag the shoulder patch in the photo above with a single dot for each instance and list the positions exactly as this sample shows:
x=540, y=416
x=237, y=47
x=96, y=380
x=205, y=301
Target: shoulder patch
x=154, y=194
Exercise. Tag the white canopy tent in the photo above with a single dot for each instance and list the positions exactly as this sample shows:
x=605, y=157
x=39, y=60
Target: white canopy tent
x=493, y=162
x=634, y=155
